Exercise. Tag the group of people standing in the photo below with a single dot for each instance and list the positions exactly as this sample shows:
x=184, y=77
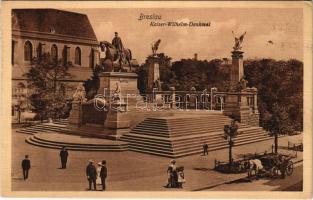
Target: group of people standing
x=94, y=176
x=176, y=176
x=98, y=175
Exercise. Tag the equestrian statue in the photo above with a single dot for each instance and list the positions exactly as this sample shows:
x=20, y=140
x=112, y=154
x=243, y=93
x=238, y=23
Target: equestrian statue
x=115, y=52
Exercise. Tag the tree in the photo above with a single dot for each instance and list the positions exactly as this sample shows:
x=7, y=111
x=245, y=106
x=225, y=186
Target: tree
x=19, y=104
x=48, y=91
x=230, y=132
x=278, y=123
x=278, y=82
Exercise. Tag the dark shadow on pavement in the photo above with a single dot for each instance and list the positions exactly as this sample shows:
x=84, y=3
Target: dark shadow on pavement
x=202, y=169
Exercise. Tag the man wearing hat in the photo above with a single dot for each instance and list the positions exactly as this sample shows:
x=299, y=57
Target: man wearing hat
x=91, y=173
x=103, y=174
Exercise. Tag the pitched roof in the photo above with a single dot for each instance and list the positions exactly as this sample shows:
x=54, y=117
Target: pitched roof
x=53, y=21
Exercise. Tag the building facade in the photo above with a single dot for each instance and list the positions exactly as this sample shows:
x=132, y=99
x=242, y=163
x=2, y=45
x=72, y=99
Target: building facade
x=64, y=35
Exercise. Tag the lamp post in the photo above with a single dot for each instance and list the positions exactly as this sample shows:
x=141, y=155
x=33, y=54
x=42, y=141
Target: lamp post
x=213, y=89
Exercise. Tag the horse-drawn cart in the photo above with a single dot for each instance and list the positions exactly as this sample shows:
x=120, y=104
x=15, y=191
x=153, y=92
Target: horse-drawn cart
x=275, y=165
x=263, y=165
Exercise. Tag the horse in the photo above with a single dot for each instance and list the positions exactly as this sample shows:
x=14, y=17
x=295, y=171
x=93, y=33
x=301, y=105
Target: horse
x=112, y=54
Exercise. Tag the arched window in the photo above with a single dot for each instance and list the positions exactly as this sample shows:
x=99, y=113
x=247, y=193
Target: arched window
x=28, y=51
x=39, y=50
x=77, y=56
x=54, y=52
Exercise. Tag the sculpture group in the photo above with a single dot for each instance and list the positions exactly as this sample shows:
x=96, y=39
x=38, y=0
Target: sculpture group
x=115, y=52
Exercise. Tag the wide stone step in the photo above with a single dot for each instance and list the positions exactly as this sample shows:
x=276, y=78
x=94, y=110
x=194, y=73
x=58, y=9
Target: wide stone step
x=146, y=138
x=209, y=140
x=154, y=151
x=73, y=148
x=148, y=129
x=149, y=133
x=38, y=139
x=198, y=151
x=30, y=132
x=197, y=123
x=214, y=144
x=145, y=151
x=205, y=134
x=131, y=140
x=79, y=147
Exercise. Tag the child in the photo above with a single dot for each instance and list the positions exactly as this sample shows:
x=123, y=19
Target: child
x=181, y=177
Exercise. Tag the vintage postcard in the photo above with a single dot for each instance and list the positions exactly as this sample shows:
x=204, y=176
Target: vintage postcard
x=156, y=99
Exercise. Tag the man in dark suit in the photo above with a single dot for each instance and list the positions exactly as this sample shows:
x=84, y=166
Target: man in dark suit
x=91, y=174
x=103, y=174
x=205, y=149
x=63, y=156
x=25, y=167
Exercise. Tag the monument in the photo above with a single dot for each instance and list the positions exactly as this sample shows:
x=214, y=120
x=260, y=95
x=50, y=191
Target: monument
x=240, y=98
x=154, y=68
x=75, y=118
x=237, y=70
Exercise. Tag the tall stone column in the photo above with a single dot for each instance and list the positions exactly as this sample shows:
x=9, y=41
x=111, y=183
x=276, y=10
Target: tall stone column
x=153, y=72
x=237, y=71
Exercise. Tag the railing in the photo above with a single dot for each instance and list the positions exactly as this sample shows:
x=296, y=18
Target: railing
x=213, y=100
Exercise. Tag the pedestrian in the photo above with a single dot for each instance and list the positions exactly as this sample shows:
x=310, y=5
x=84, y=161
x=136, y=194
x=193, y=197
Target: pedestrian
x=181, y=177
x=172, y=170
x=283, y=166
x=91, y=174
x=98, y=173
x=103, y=174
x=205, y=149
x=25, y=167
x=63, y=156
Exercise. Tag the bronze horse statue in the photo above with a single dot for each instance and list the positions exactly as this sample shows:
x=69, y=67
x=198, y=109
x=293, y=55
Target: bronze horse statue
x=113, y=55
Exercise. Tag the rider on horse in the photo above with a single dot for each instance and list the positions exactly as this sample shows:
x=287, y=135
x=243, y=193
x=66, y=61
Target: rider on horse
x=117, y=43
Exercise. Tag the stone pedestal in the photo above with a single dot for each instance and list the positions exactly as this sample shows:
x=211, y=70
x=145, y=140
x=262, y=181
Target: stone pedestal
x=127, y=83
x=237, y=107
x=153, y=72
x=237, y=70
x=117, y=119
x=75, y=118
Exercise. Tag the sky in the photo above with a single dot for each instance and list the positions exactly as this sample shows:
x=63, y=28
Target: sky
x=282, y=26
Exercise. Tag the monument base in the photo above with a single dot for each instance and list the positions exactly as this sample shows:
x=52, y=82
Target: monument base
x=75, y=118
x=117, y=119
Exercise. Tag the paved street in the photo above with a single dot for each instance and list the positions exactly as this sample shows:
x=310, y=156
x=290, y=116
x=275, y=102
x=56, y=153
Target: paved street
x=128, y=171
x=290, y=183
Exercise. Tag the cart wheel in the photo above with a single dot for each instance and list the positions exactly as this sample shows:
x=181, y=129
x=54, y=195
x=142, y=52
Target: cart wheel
x=289, y=169
x=274, y=172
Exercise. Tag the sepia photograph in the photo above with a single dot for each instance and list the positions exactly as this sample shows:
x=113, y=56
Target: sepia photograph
x=175, y=98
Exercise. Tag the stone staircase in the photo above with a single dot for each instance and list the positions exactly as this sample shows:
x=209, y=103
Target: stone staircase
x=75, y=143
x=56, y=126
x=178, y=137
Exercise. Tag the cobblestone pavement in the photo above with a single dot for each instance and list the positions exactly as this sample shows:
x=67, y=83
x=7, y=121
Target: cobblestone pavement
x=127, y=171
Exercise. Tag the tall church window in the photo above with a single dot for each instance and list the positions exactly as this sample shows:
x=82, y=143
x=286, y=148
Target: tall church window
x=77, y=56
x=39, y=50
x=54, y=52
x=28, y=51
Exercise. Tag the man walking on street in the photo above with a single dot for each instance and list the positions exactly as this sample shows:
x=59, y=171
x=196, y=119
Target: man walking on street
x=91, y=174
x=25, y=167
x=103, y=174
x=63, y=156
x=205, y=149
